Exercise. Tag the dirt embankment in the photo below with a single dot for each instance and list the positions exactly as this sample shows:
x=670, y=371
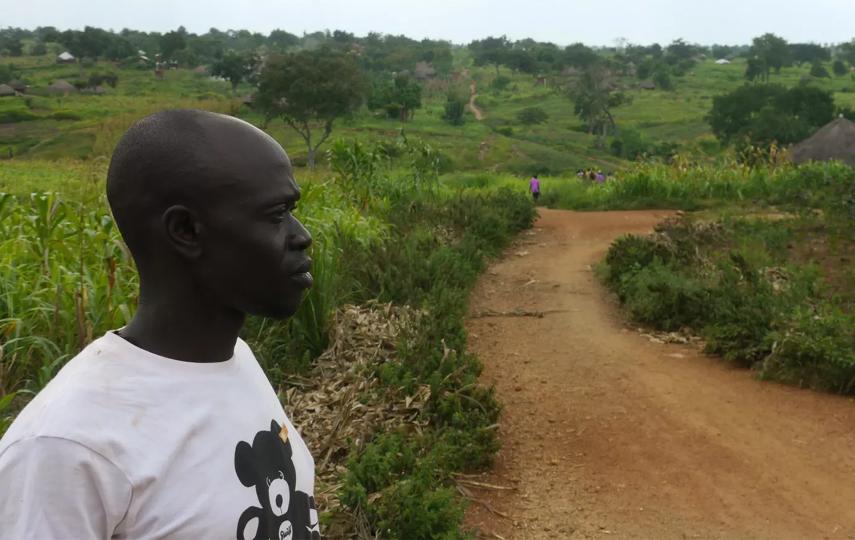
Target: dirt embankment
x=607, y=434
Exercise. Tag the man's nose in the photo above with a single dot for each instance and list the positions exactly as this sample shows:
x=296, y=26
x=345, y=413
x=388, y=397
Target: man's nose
x=299, y=238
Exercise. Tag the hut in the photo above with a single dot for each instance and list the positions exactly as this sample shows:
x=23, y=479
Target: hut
x=65, y=57
x=722, y=61
x=61, y=87
x=647, y=85
x=835, y=140
x=6, y=90
x=200, y=70
x=18, y=85
x=424, y=71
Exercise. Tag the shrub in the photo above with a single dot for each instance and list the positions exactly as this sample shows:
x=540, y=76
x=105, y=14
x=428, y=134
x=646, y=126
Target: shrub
x=629, y=254
x=659, y=296
x=816, y=349
x=532, y=115
x=455, y=106
x=16, y=115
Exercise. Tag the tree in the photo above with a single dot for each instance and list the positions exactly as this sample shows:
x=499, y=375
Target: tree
x=280, y=39
x=808, y=53
x=579, y=55
x=399, y=97
x=491, y=51
x=765, y=113
x=818, y=70
x=455, y=106
x=663, y=80
x=532, y=115
x=309, y=90
x=846, y=52
x=234, y=67
x=594, y=94
x=755, y=69
x=771, y=52
x=722, y=51
x=172, y=42
x=839, y=68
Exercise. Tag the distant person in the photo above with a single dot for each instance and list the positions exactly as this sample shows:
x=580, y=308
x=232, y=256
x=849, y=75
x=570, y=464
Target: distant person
x=592, y=175
x=580, y=173
x=168, y=427
x=534, y=187
x=600, y=177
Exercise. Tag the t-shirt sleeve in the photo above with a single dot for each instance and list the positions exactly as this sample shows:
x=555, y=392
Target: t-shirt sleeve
x=55, y=488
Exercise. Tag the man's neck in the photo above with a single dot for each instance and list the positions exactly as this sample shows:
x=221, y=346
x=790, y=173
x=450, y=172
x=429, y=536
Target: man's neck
x=181, y=327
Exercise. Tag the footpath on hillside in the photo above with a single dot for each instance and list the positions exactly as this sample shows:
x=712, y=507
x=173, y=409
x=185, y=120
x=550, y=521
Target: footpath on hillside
x=607, y=433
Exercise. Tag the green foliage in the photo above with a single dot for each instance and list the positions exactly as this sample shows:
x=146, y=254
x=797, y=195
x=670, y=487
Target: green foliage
x=734, y=282
x=663, y=80
x=594, y=95
x=657, y=295
x=770, y=52
x=310, y=89
x=500, y=83
x=455, y=107
x=818, y=70
x=532, y=115
x=816, y=348
x=398, y=97
x=235, y=67
x=760, y=115
x=839, y=68
x=493, y=51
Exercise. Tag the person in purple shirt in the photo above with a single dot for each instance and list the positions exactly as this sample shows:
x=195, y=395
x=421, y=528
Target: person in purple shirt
x=534, y=187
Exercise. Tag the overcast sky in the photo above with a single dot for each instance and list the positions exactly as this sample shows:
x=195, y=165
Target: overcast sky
x=594, y=22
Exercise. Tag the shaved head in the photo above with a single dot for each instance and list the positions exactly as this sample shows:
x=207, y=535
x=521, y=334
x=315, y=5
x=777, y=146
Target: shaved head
x=205, y=201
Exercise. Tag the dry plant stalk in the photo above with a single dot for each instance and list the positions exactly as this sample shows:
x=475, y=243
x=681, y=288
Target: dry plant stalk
x=341, y=405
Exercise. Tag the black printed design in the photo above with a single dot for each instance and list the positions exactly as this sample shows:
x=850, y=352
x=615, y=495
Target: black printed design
x=285, y=513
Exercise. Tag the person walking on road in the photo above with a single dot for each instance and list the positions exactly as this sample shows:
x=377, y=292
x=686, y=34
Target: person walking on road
x=534, y=187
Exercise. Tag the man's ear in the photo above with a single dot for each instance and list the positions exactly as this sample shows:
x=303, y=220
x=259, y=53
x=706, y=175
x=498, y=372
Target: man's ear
x=183, y=229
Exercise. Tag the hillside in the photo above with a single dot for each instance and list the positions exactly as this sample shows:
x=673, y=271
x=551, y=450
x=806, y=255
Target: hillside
x=84, y=126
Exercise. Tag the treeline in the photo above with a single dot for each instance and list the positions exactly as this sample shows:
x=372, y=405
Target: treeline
x=376, y=52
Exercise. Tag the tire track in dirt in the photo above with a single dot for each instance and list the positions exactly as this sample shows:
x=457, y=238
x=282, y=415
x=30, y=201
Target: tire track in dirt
x=608, y=435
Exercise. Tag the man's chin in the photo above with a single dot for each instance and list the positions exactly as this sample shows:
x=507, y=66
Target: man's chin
x=284, y=311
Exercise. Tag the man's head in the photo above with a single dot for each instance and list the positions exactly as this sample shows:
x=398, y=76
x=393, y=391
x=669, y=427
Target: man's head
x=205, y=200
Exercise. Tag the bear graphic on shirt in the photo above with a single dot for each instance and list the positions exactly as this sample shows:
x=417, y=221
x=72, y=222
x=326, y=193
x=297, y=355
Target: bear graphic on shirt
x=285, y=513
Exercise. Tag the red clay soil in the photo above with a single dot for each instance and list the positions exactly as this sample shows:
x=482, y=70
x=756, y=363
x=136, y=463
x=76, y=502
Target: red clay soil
x=606, y=434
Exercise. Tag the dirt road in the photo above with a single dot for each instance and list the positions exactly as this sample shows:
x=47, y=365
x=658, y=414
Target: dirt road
x=607, y=434
x=473, y=94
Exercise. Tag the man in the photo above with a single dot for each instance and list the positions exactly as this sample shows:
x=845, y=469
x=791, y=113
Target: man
x=168, y=428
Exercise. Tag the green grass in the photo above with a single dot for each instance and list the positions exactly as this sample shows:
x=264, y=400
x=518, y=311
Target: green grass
x=52, y=127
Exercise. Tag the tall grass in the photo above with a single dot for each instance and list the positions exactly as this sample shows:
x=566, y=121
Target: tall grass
x=688, y=186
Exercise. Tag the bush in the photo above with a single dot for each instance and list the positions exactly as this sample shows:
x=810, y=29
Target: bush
x=16, y=115
x=455, y=106
x=659, y=296
x=500, y=83
x=532, y=115
x=818, y=70
x=816, y=349
x=629, y=254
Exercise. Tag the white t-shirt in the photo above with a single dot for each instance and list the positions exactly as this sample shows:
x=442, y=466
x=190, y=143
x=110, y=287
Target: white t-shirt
x=126, y=444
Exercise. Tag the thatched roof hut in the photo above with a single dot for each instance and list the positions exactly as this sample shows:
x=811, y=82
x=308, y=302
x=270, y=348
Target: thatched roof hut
x=835, y=140
x=65, y=57
x=6, y=90
x=61, y=87
x=647, y=85
x=18, y=86
x=424, y=71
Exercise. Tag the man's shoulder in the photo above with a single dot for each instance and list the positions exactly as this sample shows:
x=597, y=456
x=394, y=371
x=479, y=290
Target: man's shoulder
x=68, y=400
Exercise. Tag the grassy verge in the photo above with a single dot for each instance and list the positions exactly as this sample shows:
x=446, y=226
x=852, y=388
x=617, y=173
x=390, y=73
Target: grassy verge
x=772, y=293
